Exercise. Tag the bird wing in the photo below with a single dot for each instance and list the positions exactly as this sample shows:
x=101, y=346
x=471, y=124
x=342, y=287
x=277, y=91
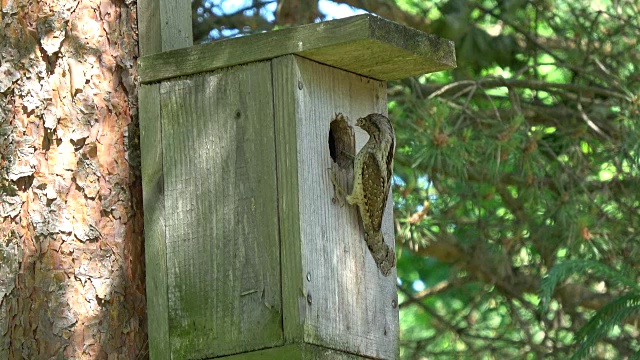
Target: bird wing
x=389, y=161
x=374, y=183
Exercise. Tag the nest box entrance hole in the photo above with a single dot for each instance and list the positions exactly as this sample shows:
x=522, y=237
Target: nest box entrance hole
x=342, y=142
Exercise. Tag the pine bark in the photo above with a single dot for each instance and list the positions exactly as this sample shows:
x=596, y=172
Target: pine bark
x=71, y=230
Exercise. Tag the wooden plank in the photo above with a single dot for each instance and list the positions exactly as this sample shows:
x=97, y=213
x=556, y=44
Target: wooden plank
x=156, y=36
x=349, y=305
x=150, y=41
x=285, y=80
x=222, y=226
x=295, y=352
x=363, y=44
x=176, y=27
x=164, y=25
x=153, y=203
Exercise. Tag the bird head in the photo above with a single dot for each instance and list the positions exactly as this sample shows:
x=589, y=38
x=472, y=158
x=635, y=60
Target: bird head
x=375, y=124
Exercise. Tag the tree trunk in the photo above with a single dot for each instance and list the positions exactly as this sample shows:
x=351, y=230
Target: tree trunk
x=71, y=244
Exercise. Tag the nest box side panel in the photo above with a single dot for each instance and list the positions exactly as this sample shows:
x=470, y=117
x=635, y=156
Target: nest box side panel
x=334, y=293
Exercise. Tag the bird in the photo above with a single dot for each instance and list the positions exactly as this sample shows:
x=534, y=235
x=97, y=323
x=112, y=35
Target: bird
x=373, y=169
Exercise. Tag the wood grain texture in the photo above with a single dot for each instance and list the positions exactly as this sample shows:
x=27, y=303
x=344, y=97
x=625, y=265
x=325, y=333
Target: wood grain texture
x=150, y=41
x=175, y=24
x=348, y=304
x=163, y=25
x=363, y=44
x=295, y=352
x=221, y=212
x=285, y=81
x=153, y=203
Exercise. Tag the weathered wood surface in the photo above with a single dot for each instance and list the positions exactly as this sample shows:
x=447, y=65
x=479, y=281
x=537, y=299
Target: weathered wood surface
x=154, y=230
x=285, y=90
x=163, y=25
x=295, y=352
x=223, y=254
x=333, y=293
x=362, y=44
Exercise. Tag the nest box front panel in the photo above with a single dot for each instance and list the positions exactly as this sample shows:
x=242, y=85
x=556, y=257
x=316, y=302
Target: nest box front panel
x=223, y=259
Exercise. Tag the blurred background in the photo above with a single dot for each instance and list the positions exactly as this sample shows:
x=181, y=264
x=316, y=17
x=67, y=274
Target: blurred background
x=516, y=185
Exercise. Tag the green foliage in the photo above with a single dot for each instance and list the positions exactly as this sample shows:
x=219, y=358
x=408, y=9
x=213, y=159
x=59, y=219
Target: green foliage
x=563, y=270
x=525, y=162
x=612, y=315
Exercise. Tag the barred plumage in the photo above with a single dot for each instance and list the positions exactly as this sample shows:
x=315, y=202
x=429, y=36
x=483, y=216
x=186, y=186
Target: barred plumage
x=373, y=169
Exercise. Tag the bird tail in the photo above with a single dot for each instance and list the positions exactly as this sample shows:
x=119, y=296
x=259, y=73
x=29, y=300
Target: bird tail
x=383, y=254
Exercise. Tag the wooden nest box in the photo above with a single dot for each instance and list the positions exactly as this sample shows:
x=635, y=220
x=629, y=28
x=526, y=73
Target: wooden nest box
x=248, y=254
